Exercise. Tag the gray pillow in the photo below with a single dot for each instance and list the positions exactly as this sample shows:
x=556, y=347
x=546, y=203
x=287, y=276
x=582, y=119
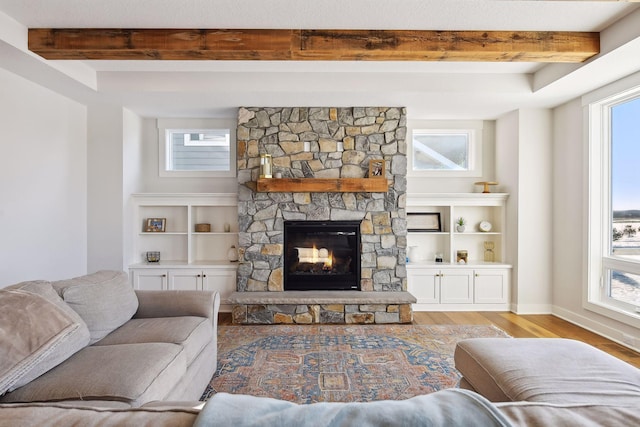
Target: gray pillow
x=72, y=343
x=31, y=330
x=105, y=300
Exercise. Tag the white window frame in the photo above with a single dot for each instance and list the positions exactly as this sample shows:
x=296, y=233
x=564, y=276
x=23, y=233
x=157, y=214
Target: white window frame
x=597, y=107
x=194, y=124
x=473, y=128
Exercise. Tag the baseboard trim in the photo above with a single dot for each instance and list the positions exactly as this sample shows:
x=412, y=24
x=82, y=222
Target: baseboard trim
x=593, y=326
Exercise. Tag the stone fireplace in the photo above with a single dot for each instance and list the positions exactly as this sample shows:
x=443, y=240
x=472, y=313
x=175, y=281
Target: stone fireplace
x=329, y=143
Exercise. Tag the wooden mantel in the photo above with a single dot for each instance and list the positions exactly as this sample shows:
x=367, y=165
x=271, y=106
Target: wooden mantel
x=310, y=45
x=322, y=185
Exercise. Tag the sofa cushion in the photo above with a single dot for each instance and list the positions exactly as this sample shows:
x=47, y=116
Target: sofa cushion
x=192, y=333
x=552, y=370
x=105, y=300
x=528, y=414
x=60, y=414
x=65, y=348
x=132, y=373
x=31, y=327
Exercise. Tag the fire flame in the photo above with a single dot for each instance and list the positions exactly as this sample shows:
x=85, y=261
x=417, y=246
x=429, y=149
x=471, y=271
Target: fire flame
x=328, y=264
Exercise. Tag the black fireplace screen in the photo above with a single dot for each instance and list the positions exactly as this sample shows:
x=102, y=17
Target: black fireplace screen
x=321, y=255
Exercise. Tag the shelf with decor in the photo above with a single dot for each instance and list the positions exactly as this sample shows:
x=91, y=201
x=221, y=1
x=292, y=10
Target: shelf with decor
x=472, y=273
x=322, y=185
x=193, y=234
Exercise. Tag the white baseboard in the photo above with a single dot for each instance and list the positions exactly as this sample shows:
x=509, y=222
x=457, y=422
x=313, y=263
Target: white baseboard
x=594, y=326
x=532, y=308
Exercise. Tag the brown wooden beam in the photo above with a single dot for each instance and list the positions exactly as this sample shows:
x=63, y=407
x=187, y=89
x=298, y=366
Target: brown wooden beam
x=311, y=45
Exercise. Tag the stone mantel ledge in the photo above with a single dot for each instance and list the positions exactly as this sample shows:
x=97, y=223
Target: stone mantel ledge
x=321, y=297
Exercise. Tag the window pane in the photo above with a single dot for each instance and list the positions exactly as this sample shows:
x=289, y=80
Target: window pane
x=625, y=177
x=199, y=150
x=440, y=151
x=624, y=287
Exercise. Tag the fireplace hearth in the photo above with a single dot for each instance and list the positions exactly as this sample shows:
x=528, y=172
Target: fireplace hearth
x=321, y=255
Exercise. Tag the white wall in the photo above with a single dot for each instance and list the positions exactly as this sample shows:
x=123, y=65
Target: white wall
x=524, y=169
x=132, y=158
x=535, y=230
x=105, y=176
x=507, y=130
x=43, y=170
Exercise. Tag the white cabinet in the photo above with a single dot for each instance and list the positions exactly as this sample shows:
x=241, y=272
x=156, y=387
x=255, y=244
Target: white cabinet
x=221, y=279
x=189, y=259
x=149, y=279
x=491, y=286
x=458, y=288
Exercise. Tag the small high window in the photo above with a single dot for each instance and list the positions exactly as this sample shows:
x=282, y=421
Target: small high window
x=451, y=151
x=193, y=152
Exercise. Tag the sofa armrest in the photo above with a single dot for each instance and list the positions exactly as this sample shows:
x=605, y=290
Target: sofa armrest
x=178, y=303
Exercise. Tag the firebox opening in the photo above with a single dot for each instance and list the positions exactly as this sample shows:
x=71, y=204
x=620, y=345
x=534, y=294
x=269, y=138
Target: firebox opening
x=321, y=255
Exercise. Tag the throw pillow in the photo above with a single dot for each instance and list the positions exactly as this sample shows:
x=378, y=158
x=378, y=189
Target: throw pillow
x=31, y=327
x=105, y=300
x=74, y=342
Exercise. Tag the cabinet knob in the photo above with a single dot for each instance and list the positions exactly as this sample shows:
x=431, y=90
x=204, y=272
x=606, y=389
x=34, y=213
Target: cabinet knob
x=198, y=275
x=477, y=275
x=164, y=275
x=204, y=275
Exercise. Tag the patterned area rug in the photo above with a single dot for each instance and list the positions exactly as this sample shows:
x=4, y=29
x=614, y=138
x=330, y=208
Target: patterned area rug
x=339, y=363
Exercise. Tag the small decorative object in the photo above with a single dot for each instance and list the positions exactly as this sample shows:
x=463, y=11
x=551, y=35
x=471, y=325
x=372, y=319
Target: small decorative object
x=413, y=254
x=461, y=257
x=278, y=175
x=485, y=226
x=153, y=256
x=376, y=168
x=486, y=185
x=438, y=256
x=427, y=221
x=232, y=254
x=203, y=228
x=489, y=255
x=227, y=227
x=155, y=225
x=265, y=165
x=460, y=223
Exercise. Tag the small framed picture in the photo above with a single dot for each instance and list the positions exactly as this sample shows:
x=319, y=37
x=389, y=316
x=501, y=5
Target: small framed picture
x=423, y=221
x=155, y=225
x=376, y=168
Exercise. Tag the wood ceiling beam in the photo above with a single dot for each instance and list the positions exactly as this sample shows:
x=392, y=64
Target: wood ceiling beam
x=313, y=45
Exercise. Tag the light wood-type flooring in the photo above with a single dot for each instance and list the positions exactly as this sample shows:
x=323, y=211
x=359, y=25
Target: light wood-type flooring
x=528, y=326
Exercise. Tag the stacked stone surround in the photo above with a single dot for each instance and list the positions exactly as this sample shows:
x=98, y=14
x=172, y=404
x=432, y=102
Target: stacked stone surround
x=366, y=134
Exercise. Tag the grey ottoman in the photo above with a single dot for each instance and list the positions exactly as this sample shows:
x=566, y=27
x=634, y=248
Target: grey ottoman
x=551, y=370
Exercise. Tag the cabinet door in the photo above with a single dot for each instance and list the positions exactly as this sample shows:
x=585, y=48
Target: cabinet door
x=185, y=280
x=423, y=284
x=456, y=286
x=149, y=279
x=220, y=280
x=491, y=286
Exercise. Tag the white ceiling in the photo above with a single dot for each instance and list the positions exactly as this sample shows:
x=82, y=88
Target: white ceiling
x=428, y=89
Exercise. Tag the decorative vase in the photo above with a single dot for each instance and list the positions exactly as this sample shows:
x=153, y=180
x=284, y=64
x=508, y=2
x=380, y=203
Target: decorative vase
x=232, y=254
x=460, y=228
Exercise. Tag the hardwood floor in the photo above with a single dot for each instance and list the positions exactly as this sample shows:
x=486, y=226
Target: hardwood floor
x=528, y=326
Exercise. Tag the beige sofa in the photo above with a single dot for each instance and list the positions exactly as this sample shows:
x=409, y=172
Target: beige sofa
x=94, y=341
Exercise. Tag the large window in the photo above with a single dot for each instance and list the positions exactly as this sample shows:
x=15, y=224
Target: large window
x=452, y=149
x=614, y=176
x=196, y=148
